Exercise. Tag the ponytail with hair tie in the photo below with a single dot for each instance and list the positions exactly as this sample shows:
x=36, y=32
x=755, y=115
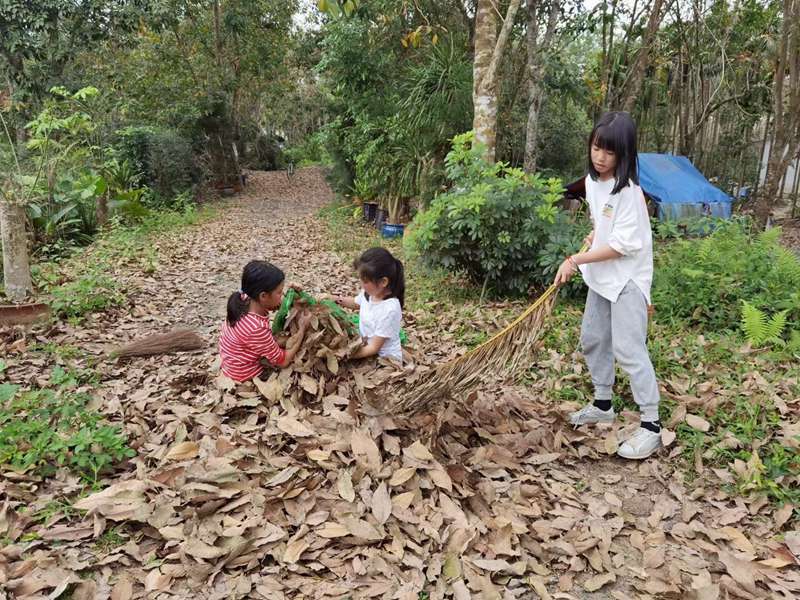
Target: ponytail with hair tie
x=258, y=277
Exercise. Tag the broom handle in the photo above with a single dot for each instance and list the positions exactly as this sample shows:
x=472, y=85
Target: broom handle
x=539, y=301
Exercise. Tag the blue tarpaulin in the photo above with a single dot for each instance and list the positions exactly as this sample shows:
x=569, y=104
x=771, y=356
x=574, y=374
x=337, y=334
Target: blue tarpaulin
x=679, y=189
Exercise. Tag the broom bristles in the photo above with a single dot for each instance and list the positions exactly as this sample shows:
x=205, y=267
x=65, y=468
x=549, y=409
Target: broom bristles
x=505, y=353
x=178, y=340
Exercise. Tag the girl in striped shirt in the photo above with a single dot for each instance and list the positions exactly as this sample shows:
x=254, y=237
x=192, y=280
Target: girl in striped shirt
x=246, y=334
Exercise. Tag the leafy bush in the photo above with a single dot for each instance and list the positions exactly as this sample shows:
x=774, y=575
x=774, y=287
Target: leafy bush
x=44, y=429
x=704, y=281
x=498, y=225
x=163, y=159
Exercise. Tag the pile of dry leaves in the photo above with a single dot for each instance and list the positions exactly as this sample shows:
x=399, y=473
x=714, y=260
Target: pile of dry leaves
x=302, y=486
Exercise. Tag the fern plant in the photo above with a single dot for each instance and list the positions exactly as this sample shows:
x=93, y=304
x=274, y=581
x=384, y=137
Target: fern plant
x=759, y=329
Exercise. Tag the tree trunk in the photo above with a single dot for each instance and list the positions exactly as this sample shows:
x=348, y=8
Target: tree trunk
x=785, y=111
x=101, y=209
x=636, y=77
x=16, y=266
x=489, y=48
x=536, y=59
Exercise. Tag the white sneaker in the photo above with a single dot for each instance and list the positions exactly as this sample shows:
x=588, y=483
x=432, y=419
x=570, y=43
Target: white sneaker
x=590, y=415
x=640, y=445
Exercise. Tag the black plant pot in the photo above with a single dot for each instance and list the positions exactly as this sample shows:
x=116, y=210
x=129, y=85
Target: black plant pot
x=370, y=208
x=380, y=218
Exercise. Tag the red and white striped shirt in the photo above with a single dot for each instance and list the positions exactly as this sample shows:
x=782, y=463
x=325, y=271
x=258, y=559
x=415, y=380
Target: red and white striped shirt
x=242, y=346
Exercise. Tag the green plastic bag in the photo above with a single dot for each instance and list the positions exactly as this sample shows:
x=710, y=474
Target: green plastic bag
x=279, y=321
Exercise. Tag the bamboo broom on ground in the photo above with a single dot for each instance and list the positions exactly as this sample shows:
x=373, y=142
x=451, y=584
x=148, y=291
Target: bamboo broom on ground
x=506, y=353
x=178, y=340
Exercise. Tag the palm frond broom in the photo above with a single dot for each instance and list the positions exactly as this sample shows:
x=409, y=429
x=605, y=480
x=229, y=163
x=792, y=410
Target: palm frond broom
x=506, y=353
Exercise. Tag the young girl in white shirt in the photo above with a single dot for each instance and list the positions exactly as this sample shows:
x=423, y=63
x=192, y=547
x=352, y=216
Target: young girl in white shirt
x=618, y=269
x=380, y=304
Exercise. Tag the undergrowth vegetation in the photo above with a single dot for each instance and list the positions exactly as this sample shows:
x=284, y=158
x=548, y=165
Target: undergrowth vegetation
x=55, y=425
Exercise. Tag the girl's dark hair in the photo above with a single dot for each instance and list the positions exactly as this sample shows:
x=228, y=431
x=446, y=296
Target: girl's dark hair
x=616, y=131
x=258, y=276
x=377, y=263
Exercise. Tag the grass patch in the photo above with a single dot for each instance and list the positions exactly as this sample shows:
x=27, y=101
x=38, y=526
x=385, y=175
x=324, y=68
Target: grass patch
x=85, y=283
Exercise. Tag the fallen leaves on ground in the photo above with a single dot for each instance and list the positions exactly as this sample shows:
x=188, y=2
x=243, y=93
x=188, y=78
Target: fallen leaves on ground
x=300, y=486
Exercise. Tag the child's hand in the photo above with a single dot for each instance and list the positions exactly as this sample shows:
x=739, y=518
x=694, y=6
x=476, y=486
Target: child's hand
x=322, y=297
x=304, y=320
x=295, y=286
x=565, y=272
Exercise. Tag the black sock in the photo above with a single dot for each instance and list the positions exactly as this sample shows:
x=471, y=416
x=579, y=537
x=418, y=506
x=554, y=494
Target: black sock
x=654, y=426
x=603, y=404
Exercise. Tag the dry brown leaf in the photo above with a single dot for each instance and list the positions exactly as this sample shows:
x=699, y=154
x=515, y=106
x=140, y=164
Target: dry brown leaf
x=537, y=583
x=197, y=548
x=361, y=529
x=400, y=476
x=381, y=504
x=698, y=423
x=272, y=389
x=294, y=427
x=294, y=550
x=792, y=540
x=738, y=539
x=123, y=589
x=344, y=484
x=156, y=581
x=332, y=530
x=441, y=479
x=365, y=451
x=419, y=451
x=183, y=451
x=667, y=437
x=595, y=583
x=309, y=384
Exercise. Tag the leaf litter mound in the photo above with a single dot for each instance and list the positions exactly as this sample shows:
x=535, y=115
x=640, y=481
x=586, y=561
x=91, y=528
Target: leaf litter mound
x=301, y=486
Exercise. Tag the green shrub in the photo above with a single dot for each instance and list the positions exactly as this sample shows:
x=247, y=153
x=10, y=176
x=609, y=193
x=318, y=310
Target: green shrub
x=705, y=281
x=44, y=429
x=499, y=226
x=163, y=158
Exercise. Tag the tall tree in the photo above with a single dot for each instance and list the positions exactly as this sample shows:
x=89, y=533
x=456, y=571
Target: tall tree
x=633, y=84
x=16, y=266
x=489, y=48
x=785, y=144
x=537, y=56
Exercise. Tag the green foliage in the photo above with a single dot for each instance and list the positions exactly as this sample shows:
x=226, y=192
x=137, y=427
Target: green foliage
x=86, y=283
x=704, y=281
x=43, y=429
x=760, y=329
x=161, y=159
x=92, y=291
x=499, y=226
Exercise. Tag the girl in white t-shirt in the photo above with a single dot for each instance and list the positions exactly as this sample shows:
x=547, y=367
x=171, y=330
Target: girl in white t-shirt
x=618, y=269
x=380, y=304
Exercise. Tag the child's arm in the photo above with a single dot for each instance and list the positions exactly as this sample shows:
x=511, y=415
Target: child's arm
x=344, y=301
x=371, y=348
x=294, y=342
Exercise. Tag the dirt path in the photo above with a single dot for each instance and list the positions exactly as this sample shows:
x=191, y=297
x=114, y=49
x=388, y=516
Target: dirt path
x=233, y=497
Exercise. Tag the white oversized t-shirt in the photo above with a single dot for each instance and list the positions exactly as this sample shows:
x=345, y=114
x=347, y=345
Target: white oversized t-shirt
x=381, y=318
x=620, y=221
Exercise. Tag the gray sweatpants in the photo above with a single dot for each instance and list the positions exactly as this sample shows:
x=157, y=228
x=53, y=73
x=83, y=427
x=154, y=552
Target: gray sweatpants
x=618, y=330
